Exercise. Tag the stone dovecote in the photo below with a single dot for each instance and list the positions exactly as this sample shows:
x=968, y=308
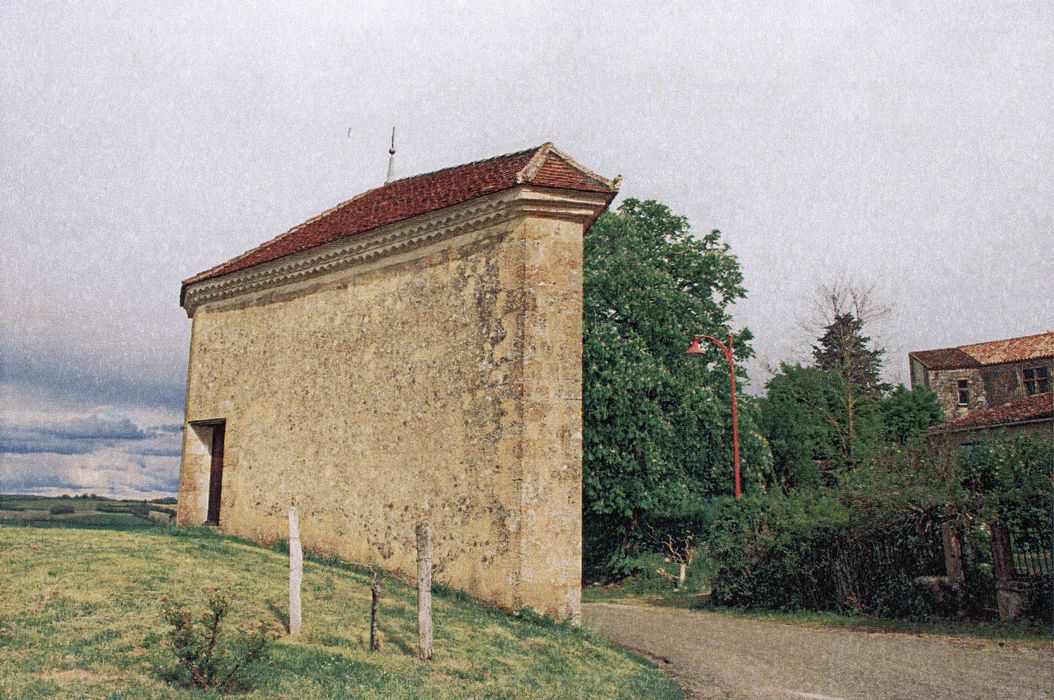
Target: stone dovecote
x=413, y=354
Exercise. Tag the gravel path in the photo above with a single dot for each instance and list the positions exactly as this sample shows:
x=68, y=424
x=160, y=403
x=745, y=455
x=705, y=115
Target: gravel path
x=721, y=656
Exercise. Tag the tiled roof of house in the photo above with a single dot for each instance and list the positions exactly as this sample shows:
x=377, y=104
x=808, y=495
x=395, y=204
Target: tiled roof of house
x=543, y=166
x=1029, y=409
x=945, y=358
x=1029, y=347
x=995, y=352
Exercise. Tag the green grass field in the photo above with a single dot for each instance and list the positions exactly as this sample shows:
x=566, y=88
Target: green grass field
x=41, y=511
x=80, y=617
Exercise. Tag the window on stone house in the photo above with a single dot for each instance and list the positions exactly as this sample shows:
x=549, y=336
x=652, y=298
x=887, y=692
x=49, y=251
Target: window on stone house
x=1037, y=380
x=963, y=388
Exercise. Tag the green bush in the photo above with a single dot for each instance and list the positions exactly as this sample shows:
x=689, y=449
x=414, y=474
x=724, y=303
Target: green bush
x=1042, y=607
x=644, y=577
x=61, y=509
x=858, y=547
x=1011, y=480
x=814, y=550
x=207, y=657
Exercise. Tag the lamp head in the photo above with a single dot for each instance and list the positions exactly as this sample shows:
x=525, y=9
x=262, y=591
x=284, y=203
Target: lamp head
x=695, y=348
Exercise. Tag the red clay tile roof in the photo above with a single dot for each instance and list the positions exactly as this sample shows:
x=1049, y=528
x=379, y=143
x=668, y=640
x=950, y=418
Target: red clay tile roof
x=995, y=352
x=1032, y=408
x=945, y=358
x=544, y=166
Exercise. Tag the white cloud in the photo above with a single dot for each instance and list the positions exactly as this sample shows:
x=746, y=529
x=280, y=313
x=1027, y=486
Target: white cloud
x=108, y=472
x=102, y=450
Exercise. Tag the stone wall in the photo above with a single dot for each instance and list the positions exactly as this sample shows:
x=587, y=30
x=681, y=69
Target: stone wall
x=993, y=385
x=945, y=384
x=1004, y=383
x=439, y=381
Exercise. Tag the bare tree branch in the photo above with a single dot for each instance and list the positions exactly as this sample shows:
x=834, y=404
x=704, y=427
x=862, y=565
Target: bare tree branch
x=844, y=294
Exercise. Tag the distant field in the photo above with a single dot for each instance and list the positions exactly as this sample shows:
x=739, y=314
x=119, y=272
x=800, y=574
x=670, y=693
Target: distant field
x=80, y=617
x=43, y=511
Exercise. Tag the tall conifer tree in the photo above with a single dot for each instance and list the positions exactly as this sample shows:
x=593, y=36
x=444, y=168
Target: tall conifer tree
x=845, y=350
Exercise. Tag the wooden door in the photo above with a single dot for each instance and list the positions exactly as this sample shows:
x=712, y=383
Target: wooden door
x=216, y=474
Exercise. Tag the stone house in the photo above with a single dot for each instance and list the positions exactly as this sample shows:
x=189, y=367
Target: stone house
x=413, y=353
x=996, y=385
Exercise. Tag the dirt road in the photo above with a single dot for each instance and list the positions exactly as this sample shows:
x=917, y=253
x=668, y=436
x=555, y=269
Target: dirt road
x=720, y=656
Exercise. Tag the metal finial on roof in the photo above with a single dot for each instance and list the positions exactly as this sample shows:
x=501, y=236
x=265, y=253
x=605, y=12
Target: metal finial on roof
x=391, y=160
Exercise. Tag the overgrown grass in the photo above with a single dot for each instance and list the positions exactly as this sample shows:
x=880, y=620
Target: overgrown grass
x=80, y=616
x=700, y=602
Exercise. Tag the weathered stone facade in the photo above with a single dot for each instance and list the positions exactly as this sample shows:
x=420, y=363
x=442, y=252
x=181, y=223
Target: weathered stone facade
x=427, y=370
x=986, y=386
x=999, y=386
x=945, y=383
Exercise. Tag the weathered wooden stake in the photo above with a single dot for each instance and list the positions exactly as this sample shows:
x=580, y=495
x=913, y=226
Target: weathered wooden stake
x=424, y=590
x=296, y=572
x=953, y=562
x=953, y=555
x=1009, y=594
x=375, y=613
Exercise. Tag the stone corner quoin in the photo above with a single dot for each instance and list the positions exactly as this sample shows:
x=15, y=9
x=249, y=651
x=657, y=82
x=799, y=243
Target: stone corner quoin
x=426, y=368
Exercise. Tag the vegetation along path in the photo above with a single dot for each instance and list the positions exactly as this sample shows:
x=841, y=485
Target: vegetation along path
x=723, y=656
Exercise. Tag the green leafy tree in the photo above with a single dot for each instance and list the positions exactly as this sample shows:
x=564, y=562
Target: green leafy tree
x=807, y=418
x=801, y=416
x=1010, y=480
x=657, y=424
x=907, y=413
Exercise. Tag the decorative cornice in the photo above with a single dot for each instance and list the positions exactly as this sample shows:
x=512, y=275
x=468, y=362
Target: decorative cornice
x=402, y=237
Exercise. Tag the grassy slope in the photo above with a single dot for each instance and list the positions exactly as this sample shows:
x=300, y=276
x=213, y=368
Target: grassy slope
x=79, y=617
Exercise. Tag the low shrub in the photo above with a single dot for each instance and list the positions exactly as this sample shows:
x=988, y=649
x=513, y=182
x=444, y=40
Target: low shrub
x=206, y=656
x=644, y=576
x=61, y=509
x=811, y=550
x=1042, y=604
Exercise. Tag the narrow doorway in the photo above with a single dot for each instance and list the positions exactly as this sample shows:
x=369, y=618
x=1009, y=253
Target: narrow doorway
x=216, y=474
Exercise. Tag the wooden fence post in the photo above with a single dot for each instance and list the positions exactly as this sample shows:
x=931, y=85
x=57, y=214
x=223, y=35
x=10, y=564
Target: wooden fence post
x=296, y=572
x=953, y=562
x=375, y=611
x=1008, y=593
x=424, y=590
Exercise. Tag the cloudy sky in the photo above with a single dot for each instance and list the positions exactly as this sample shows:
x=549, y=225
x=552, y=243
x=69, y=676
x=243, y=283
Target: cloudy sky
x=907, y=144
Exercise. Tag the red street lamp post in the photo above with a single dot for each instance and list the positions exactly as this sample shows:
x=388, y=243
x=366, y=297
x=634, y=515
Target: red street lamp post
x=696, y=349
